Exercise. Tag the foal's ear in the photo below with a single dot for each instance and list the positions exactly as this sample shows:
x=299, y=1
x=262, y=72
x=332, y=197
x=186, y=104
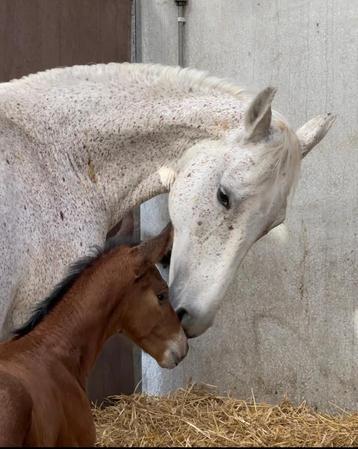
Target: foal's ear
x=312, y=132
x=257, y=118
x=153, y=250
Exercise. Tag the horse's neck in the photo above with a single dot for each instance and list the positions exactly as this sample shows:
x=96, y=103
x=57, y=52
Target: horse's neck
x=117, y=140
x=144, y=143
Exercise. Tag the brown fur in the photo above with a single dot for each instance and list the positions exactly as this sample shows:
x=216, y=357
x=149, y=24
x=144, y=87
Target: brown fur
x=43, y=373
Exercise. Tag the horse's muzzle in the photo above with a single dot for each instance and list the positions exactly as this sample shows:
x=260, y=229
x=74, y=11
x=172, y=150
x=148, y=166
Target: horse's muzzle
x=192, y=324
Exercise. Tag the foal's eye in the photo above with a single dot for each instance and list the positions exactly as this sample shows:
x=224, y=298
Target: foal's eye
x=161, y=297
x=223, y=198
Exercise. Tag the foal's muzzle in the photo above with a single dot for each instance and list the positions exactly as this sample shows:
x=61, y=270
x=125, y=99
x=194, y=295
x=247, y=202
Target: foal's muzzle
x=177, y=349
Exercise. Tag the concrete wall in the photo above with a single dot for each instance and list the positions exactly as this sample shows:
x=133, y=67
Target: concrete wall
x=289, y=322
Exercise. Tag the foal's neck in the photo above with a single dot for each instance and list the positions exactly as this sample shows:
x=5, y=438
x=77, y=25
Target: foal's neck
x=87, y=315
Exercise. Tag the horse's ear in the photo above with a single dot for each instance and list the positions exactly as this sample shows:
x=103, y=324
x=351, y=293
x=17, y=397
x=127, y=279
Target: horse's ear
x=153, y=250
x=312, y=132
x=258, y=117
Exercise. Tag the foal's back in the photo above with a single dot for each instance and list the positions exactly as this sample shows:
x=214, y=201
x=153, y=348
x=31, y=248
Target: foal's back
x=15, y=410
x=37, y=387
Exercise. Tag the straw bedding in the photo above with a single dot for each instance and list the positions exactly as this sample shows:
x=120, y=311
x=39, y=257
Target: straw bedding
x=198, y=417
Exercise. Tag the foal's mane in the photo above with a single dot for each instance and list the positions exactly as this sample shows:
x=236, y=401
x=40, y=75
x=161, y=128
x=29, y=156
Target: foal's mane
x=74, y=272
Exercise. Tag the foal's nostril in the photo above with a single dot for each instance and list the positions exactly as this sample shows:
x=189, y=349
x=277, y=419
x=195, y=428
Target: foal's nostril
x=181, y=312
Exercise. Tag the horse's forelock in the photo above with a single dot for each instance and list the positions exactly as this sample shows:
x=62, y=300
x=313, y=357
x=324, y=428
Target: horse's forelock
x=280, y=155
x=284, y=153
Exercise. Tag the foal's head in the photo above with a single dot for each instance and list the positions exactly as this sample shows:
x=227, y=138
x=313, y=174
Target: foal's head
x=148, y=318
x=122, y=281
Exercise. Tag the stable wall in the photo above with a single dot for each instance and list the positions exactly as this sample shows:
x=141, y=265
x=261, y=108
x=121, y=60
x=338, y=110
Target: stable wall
x=289, y=322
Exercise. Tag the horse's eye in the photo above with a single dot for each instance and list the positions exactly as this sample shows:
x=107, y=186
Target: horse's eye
x=223, y=198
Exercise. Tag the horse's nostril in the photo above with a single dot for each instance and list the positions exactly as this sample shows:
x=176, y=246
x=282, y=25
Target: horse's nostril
x=165, y=261
x=181, y=312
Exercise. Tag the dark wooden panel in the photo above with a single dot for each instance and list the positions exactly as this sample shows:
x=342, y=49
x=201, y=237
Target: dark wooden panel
x=41, y=34
x=114, y=370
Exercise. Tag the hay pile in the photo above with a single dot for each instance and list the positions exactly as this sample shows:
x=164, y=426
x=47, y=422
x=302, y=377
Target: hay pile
x=196, y=417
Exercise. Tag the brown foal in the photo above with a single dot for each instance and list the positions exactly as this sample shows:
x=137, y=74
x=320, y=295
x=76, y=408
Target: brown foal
x=43, y=369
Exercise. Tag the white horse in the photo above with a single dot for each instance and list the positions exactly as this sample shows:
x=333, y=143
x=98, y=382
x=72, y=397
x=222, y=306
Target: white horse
x=81, y=146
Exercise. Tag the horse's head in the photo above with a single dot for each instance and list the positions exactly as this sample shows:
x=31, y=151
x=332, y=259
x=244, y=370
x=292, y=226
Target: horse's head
x=149, y=319
x=227, y=194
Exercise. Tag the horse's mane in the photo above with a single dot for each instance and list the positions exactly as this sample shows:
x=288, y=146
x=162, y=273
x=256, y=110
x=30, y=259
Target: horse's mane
x=171, y=80
x=284, y=152
x=156, y=75
x=74, y=272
